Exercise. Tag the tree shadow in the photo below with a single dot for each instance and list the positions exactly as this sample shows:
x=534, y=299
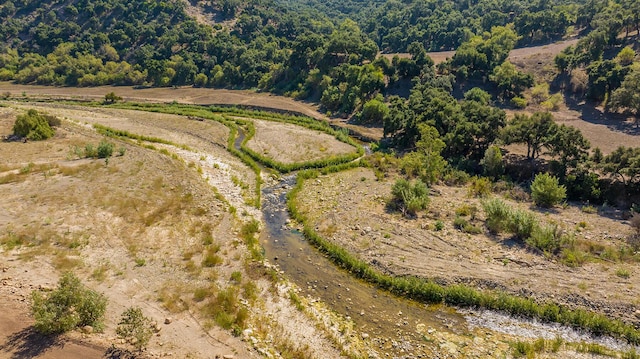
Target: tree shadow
x=543, y=210
x=592, y=114
x=29, y=343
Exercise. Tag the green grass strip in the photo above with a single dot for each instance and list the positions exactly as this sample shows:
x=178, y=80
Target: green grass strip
x=206, y=113
x=427, y=291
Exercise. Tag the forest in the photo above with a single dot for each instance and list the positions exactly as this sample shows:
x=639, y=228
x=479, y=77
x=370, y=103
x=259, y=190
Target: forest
x=327, y=52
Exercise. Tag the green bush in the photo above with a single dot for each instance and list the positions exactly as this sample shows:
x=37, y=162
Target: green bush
x=135, y=328
x=33, y=126
x=498, y=214
x=546, y=191
x=105, y=149
x=492, y=162
x=480, y=187
x=522, y=223
x=545, y=238
x=519, y=102
x=69, y=306
x=410, y=197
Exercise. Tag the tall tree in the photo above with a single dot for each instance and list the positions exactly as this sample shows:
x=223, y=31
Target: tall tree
x=627, y=97
x=534, y=131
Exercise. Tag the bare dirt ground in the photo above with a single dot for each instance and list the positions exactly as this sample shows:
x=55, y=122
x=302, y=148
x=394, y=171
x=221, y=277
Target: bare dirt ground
x=349, y=208
x=137, y=229
x=288, y=143
x=188, y=95
x=514, y=55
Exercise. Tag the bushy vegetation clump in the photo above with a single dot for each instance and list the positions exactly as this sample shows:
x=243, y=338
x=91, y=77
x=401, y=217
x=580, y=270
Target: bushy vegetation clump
x=35, y=126
x=135, y=327
x=69, y=306
x=409, y=197
x=546, y=190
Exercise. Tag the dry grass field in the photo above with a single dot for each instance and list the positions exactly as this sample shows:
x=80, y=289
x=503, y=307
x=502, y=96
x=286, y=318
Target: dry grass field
x=150, y=228
x=288, y=143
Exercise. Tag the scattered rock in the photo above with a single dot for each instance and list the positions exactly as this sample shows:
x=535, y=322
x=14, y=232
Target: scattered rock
x=87, y=329
x=227, y=356
x=365, y=336
x=168, y=321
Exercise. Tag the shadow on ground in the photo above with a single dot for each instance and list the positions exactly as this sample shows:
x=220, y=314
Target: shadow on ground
x=28, y=343
x=592, y=114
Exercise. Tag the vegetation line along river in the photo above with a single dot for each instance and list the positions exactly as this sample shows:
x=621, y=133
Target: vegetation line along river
x=396, y=326
x=393, y=324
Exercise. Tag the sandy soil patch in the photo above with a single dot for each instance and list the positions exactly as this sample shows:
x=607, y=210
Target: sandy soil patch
x=514, y=55
x=349, y=208
x=137, y=230
x=287, y=143
x=189, y=95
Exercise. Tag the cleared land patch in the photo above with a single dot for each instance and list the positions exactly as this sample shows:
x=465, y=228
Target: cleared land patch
x=289, y=143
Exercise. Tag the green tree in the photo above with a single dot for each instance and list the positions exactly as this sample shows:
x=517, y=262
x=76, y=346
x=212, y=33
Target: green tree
x=135, y=327
x=374, y=111
x=626, y=56
x=33, y=126
x=568, y=146
x=623, y=163
x=546, y=190
x=69, y=306
x=426, y=162
x=509, y=80
x=628, y=95
x=534, y=131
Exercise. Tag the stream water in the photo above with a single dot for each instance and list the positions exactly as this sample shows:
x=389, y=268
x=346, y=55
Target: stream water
x=396, y=327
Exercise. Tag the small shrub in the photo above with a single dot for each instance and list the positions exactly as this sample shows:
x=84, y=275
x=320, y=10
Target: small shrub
x=572, y=257
x=439, y=225
x=480, y=187
x=211, y=260
x=67, y=307
x=454, y=177
x=492, y=162
x=135, y=328
x=589, y=209
x=111, y=97
x=623, y=273
x=236, y=276
x=140, y=262
x=498, y=214
x=459, y=223
x=105, y=149
x=546, y=191
x=466, y=210
x=121, y=151
x=90, y=151
x=33, y=126
x=522, y=349
x=545, y=238
x=519, y=102
x=410, y=197
x=521, y=223
x=464, y=226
